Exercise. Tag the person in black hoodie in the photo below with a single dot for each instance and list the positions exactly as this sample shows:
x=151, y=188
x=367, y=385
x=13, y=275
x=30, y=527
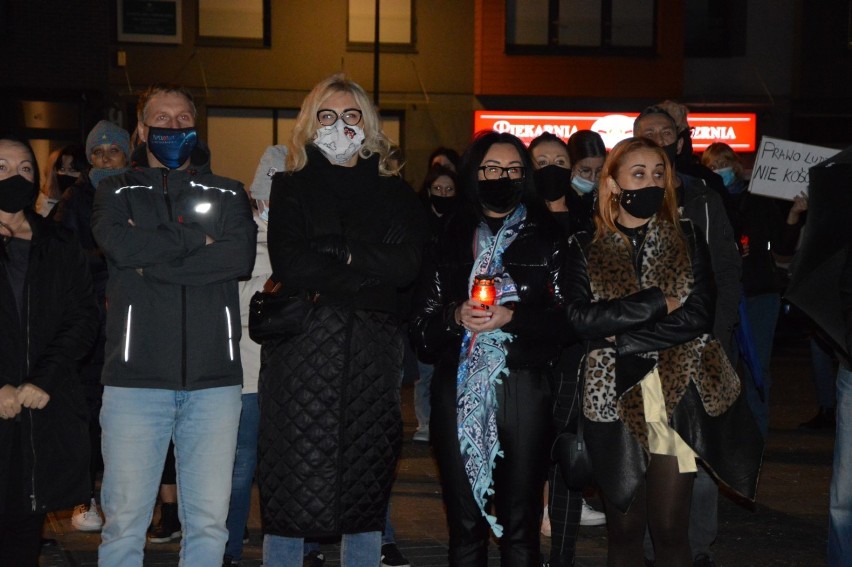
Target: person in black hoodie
x=761, y=233
x=566, y=510
x=108, y=151
x=440, y=195
x=48, y=321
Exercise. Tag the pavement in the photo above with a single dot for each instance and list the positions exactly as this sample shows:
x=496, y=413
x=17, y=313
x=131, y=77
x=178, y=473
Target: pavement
x=787, y=526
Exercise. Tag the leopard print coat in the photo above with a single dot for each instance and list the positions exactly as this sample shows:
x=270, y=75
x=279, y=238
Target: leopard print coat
x=664, y=263
x=609, y=296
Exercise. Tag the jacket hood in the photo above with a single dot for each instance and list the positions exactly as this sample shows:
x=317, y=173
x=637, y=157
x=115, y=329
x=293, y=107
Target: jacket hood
x=199, y=160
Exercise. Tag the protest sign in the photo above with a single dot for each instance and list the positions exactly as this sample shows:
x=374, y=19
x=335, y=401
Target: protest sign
x=781, y=167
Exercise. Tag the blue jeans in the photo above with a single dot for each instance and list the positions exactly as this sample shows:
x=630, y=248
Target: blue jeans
x=422, y=394
x=137, y=425
x=763, y=315
x=244, y=465
x=389, y=535
x=356, y=550
x=840, y=495
x=823, y=369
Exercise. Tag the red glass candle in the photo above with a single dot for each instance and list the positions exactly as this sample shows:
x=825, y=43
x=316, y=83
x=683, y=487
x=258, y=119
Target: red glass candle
x=483, y=290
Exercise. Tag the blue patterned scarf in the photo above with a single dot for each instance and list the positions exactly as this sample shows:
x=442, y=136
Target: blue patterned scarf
x=481, y=362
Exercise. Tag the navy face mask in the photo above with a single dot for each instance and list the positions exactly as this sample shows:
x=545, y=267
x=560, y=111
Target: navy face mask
x=172, y=146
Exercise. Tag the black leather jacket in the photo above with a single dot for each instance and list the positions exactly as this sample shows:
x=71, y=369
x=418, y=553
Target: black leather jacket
x=639, y=321
x=534, y=260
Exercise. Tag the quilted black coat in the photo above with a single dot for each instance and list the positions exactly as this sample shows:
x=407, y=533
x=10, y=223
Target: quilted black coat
x=330, y=425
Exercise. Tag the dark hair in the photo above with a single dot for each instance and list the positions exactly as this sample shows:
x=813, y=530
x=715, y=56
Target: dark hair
x=449, y=153
x=79, y=161
x=433, y=174
x=547, y=137
x=162, y=88
x=23, y=142
x=475, y=153
x=585, y=144
x=651, y=111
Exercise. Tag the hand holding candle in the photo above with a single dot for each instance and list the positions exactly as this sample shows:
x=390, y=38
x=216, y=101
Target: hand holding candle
x=483, y=290
x=479, y=313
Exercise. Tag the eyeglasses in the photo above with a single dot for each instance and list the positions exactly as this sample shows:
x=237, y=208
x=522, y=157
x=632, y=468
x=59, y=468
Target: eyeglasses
x=443, y=190
x=492, y=172
x=350, y=116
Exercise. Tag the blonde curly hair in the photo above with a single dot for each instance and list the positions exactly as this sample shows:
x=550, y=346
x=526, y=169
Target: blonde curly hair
x=375, y=140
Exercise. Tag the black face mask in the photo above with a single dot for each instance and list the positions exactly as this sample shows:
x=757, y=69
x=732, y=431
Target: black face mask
x=65, y=181
x=500, y=195
x=671, y=152
x=442, y=205
x=552, y=182
x=16, y=193
x=643, y=203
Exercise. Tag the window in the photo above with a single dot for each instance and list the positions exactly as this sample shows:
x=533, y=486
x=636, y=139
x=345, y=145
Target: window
x=396, y=25
x=715, y=28
x=595, y=27
x=234, y=24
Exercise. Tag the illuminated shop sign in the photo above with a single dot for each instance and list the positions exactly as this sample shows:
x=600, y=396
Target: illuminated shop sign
x=737, y=130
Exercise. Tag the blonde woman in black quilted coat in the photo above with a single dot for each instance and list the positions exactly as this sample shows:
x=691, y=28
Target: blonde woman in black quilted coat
x=344, y=226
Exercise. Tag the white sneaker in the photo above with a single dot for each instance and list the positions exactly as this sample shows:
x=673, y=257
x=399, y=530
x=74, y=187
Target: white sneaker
x=545, y=523
x=421, y=435
x=591, y=517
x=86, y=518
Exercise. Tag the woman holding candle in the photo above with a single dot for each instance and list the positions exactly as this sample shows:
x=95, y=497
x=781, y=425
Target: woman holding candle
x=491, y=400
x=659, y=391
x=344, y=227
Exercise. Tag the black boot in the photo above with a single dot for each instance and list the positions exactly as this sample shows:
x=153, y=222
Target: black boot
x=168, y=527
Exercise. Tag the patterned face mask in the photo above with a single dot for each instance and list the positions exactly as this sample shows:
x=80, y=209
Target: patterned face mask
x=339, y=142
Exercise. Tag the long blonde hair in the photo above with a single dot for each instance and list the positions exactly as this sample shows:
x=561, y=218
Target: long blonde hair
x=606, y=212
x=375, y=141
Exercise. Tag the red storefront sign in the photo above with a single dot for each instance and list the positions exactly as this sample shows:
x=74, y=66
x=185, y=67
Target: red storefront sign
x=737, y=130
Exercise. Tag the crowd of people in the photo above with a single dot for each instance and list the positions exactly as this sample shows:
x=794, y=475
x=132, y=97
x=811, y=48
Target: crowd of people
x=544, y=290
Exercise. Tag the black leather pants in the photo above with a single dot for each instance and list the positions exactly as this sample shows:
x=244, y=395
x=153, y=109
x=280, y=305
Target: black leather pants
x=525, y=433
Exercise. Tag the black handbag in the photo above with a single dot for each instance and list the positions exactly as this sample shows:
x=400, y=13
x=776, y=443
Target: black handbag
x=569, y=449
x=275, y=315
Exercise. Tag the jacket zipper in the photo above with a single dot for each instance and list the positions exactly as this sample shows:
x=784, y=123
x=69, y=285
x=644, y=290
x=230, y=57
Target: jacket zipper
x=33, y=502
x=182, y=289
x=637, y=261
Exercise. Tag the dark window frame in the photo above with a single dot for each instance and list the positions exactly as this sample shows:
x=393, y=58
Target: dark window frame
x=368, y=46
x=553, y=47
